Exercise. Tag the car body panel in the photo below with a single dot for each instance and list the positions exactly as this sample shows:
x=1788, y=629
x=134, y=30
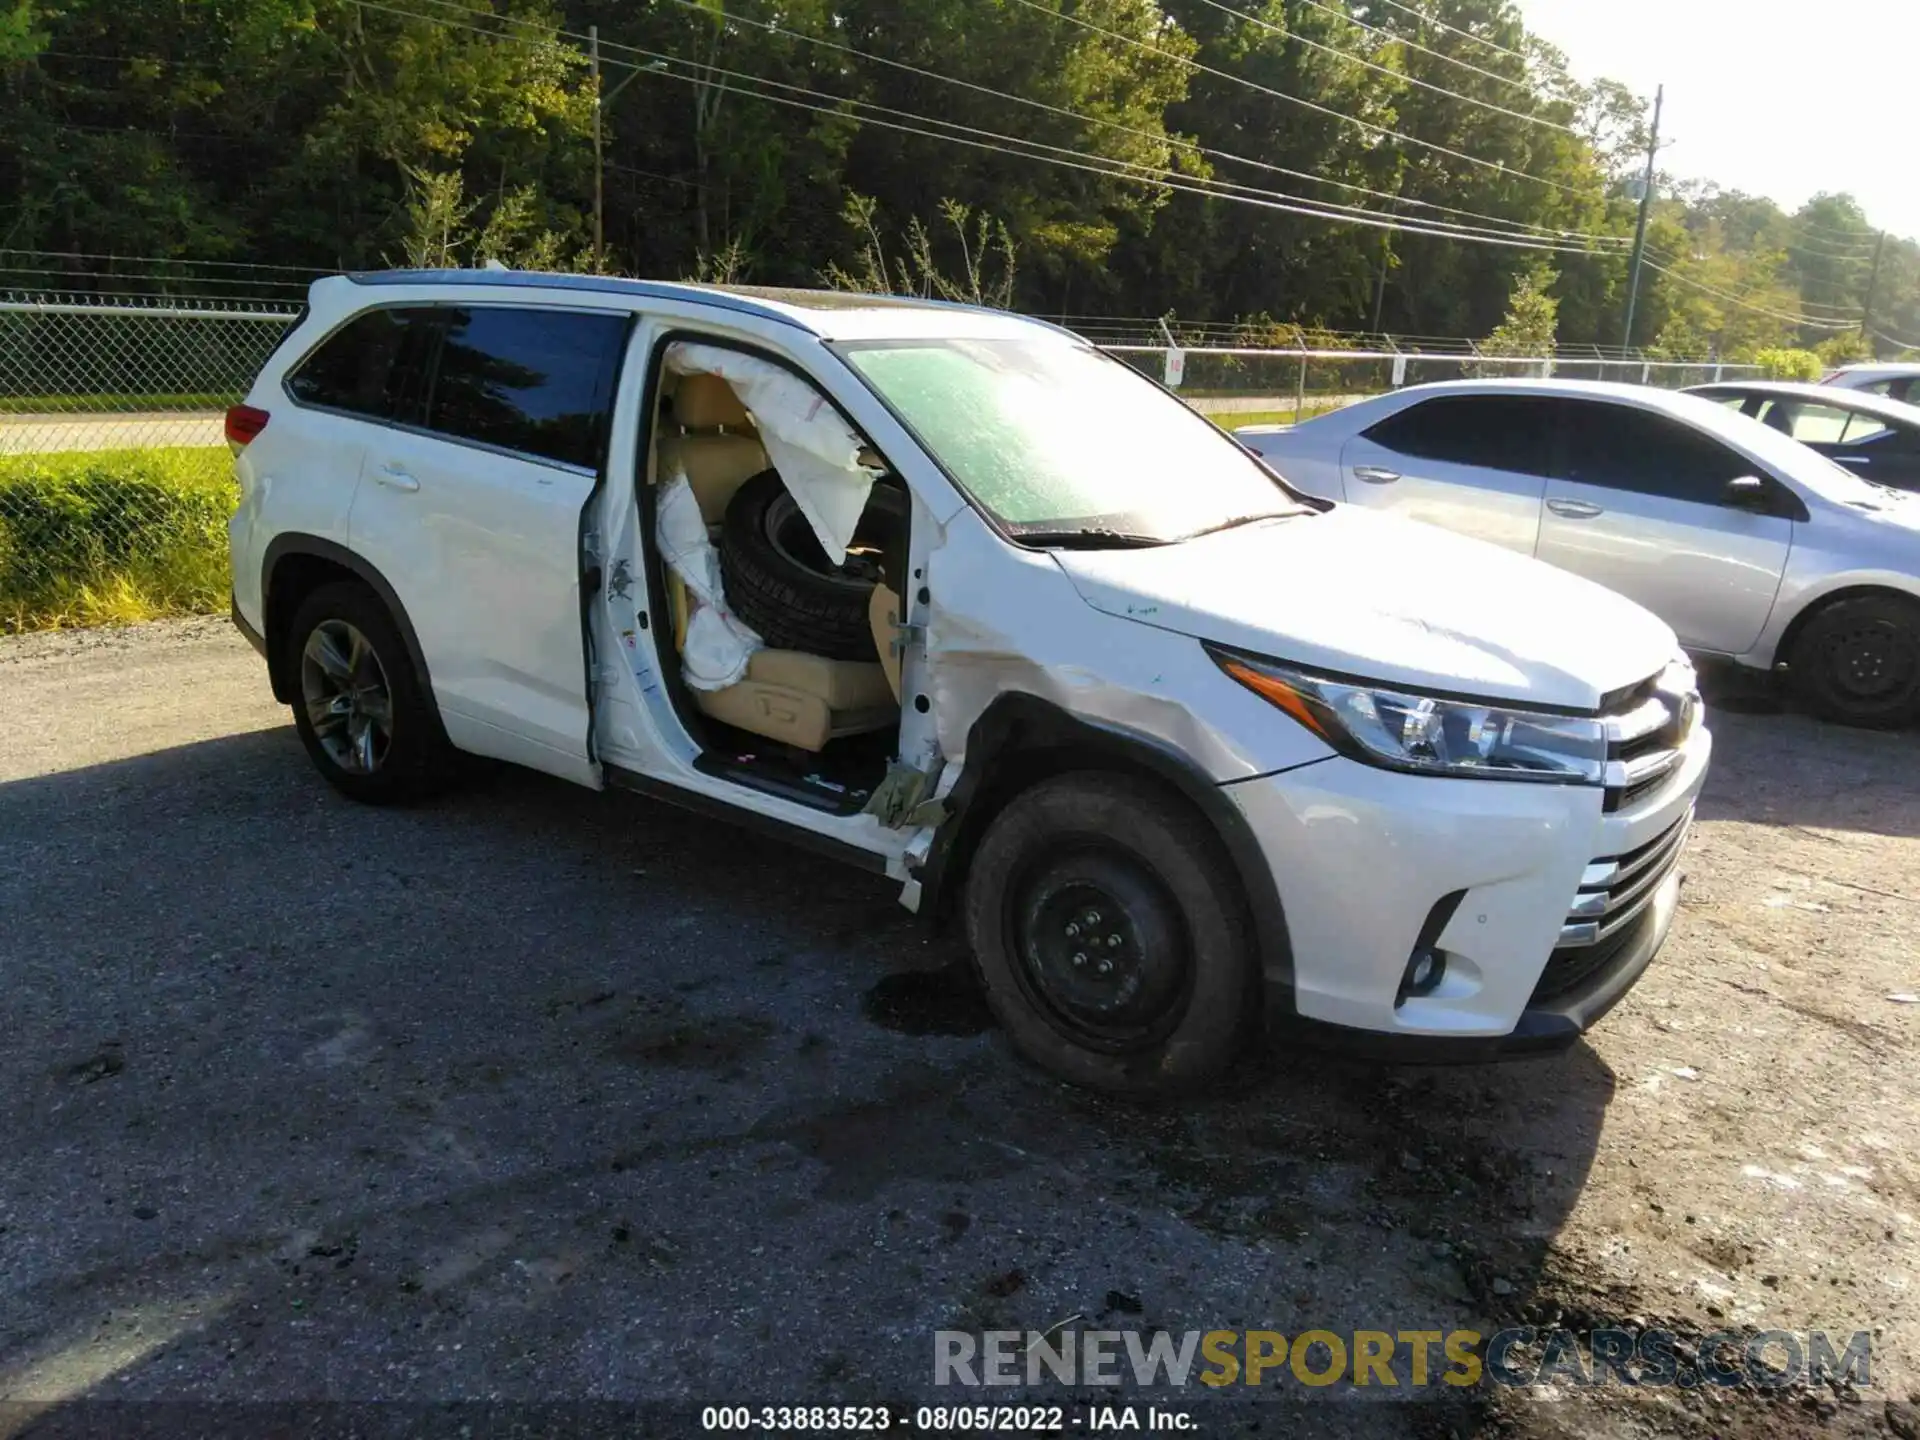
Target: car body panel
x=1501, y=507
x=1706, y=572
x=1718, y=594
x=518, y=638
x=1321, y=591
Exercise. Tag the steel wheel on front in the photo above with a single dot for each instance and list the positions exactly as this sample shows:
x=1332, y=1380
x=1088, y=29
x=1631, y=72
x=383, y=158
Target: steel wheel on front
x=1111, y=934
x=348, y=700
x=1102, y=949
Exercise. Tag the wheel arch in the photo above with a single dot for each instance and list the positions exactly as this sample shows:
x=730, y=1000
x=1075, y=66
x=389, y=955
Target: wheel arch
x=1852, y=590
x=294, y=567
x=1021, y=739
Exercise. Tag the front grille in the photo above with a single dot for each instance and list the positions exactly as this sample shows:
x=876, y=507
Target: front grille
x=1571, y=966
x=1615, y=889
x=1647, y=730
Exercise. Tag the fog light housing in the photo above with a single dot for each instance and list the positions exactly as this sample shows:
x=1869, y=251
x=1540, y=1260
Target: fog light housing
x=1426, y=968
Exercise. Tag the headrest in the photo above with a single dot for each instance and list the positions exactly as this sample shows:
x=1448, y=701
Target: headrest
x=706, y=402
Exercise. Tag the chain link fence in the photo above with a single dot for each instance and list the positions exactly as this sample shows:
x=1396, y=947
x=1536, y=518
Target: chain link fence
x=115, y=479
x=1236, y=385
x=116, y=483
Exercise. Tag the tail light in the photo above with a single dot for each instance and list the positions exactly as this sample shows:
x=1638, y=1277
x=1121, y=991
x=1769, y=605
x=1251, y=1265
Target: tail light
x=243, y=423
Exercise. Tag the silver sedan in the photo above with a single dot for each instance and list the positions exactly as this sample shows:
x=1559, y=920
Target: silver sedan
x=1752, y=546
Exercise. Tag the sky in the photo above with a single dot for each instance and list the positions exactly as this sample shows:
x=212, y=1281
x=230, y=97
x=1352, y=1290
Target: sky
x=1781, y=98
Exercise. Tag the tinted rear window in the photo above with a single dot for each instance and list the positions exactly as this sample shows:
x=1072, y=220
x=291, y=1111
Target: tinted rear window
x=375, y=365
x=536, y=381
x=1497, y=432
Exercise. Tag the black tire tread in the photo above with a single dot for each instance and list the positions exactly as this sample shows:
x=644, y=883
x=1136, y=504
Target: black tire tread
x=1187, y=855
x=422, y=761
x=790, y=608
x=1809, y=677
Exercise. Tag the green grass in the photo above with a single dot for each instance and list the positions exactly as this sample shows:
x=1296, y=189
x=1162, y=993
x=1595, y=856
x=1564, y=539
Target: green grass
x=113, y=536
x=1236, y=420
x=108, y=404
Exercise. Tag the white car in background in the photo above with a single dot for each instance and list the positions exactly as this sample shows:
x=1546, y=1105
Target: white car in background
x=1896, y=382
x=1752, y=546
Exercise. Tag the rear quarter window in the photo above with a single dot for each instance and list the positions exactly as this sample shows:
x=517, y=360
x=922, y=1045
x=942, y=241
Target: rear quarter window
x=374, y=365
x=535, y=381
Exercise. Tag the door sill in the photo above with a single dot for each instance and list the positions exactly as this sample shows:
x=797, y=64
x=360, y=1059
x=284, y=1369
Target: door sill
x=715, y=808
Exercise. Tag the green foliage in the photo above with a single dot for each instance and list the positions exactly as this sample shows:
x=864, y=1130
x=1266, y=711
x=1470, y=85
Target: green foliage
x=1779, y=364
x=1531, y=325
x=329, y=133
x=113, y=535
x=1848, y=347
x=981, y=243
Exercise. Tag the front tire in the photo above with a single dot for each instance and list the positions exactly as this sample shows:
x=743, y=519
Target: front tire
x=1857, y=662
x=359, y=705
x=1111, y=936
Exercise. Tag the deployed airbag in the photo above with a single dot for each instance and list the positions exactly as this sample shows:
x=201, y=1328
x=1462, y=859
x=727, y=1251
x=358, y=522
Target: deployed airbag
x=815, y=451
x=718, y=646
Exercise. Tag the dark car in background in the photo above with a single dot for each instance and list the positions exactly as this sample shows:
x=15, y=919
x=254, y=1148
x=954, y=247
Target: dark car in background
x=1876, y=438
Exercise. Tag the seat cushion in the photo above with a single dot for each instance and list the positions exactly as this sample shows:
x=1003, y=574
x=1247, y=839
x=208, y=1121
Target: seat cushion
x=842, y=684
x=716, y=466
x=804, y=700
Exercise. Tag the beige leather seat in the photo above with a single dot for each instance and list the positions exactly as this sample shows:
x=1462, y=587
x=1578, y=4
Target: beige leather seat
x=787, y=695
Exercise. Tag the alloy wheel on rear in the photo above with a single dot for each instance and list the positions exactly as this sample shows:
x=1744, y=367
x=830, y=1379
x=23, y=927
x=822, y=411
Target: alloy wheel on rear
x=347, y=697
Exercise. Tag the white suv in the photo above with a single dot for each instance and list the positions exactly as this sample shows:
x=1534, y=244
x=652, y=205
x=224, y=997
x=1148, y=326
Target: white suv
x=953, y=597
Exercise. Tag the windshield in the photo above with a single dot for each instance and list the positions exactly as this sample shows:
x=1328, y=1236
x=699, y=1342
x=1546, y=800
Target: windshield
x=1063, y=445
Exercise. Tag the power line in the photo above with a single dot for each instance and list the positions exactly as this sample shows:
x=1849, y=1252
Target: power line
x=1158, y=137
x=1374, y=131
x=1399, y=39
x=308, y=270
x=1804, y=320
x=1454, y=29
x=1077, y=160
x=1385, y=70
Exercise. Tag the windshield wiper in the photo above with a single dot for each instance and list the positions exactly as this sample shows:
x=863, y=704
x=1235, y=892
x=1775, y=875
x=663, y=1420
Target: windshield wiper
x=1090, y=537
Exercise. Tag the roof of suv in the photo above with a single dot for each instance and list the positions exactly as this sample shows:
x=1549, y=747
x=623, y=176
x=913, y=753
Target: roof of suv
x=830, y=314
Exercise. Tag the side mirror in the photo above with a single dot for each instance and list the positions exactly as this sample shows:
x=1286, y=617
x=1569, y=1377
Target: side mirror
x=1749, y=492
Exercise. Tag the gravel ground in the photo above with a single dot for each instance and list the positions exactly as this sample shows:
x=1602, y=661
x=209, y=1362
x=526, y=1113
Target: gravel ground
x=533, y=1095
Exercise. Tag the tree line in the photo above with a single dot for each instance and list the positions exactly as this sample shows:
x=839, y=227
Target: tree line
x=1137, y=158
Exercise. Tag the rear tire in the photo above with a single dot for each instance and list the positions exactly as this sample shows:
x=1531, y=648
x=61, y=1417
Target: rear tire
x=359, y=705
x=1111, y=936
x=1857, y=662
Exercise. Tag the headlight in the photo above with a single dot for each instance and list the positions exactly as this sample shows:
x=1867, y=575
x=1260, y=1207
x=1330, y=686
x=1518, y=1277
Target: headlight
x=1427, y=735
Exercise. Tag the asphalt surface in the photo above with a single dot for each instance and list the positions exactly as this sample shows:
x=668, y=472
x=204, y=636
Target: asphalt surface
x=536, y=1095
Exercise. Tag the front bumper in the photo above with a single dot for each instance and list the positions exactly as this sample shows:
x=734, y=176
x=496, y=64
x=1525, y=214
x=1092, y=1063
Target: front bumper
x=1544, y=1028
x=1371, y=864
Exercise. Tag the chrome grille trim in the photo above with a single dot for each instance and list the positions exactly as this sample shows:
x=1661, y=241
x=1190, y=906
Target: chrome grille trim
x=1615, y=889
x=1647, y=729
x=1649, y=715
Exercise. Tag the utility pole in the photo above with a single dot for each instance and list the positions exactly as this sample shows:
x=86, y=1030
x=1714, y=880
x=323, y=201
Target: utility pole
x=1380, y=289
x=1873, y=286
x=599, y=191
x=1640, y=230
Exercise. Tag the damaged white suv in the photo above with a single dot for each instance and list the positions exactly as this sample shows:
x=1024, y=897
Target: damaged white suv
x=953, y=597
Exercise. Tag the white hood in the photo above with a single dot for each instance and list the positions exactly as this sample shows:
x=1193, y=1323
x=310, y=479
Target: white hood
x=1390, y=600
